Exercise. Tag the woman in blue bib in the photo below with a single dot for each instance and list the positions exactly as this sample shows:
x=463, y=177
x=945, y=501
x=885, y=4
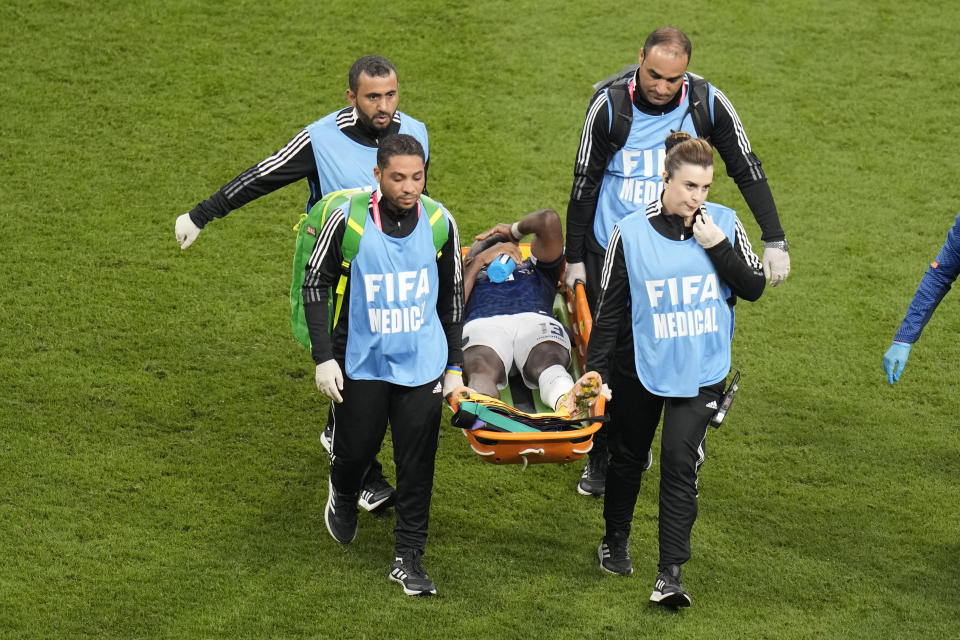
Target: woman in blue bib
x=661, y=336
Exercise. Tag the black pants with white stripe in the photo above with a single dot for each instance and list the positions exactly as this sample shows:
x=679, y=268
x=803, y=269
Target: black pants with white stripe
x=375, y=471
x=634, y=416
x=414, y=416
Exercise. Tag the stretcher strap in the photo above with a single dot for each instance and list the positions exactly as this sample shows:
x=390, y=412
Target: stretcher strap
x=495, y=419
x=500, y=406
x=498, y=415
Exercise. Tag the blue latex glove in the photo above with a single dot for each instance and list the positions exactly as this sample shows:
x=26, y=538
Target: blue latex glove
x=895, y=359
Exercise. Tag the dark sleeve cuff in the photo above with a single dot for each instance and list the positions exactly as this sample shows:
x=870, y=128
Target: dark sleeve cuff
x=744, y=282
x=760, y=200
x=316, y=316
x=216, y=206
x=576, y=233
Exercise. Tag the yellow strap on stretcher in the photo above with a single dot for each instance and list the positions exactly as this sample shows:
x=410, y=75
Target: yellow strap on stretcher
x=496, y=403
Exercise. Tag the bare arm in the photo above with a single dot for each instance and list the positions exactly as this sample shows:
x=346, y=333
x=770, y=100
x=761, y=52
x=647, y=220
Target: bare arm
x=546, y=246
x=544, y=224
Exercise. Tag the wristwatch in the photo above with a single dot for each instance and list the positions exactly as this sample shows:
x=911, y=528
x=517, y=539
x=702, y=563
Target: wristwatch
x=783, y=245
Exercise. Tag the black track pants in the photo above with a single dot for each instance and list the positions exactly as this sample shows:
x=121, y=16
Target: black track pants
x=414, y=416
x=375, y=470
x=634, y=417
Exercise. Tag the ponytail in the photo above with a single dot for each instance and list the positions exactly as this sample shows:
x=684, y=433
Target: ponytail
x=684, y=149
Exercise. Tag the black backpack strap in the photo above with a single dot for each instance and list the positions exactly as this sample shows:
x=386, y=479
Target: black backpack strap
x=699, y=106
x=627, y=72
x=621, y=116
x=621, y=107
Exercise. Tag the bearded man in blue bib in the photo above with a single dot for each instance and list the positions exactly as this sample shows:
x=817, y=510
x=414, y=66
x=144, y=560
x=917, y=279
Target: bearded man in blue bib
x=394, y=351
x=335, y=152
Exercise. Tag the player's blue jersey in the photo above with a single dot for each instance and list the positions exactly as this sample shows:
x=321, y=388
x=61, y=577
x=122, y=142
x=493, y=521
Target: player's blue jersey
x=935, y=284
x=531, y=288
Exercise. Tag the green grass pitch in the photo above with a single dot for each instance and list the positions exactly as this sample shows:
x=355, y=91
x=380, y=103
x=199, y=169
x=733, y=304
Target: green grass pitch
x=160, y=470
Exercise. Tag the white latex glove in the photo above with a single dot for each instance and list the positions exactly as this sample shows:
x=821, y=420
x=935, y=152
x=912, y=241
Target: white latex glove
x=451, y=381
x=706, y=232
x=330, y=380
x=776, y=265
x=574, y=271
x=185, y=231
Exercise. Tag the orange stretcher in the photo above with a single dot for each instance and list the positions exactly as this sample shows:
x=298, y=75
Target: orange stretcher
x=534, y=447
x=539, y=447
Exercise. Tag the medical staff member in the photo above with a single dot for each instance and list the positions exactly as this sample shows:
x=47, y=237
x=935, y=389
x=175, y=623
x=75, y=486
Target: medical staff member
x=933, y=286
x=609, y=184
x=671, y=276
x=335, y=152
x=395, y=351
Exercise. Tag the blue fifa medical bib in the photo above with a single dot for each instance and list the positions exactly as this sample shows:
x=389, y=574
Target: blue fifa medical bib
x=634, y=176
x=682, y=324
x=345, y=164
x=395, y=333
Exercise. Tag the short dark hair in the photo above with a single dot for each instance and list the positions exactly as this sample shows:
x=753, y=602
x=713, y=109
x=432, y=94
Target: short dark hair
x=480, y=246
x=670, y=37
x=373, y=66
x=398, y=144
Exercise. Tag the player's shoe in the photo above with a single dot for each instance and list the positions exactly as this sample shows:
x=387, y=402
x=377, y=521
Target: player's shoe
x=580, y=398
x=340, y=515
x=326, y=438
x=614, y=555
x=376, y=494
x=593, y=481
x=667, y=590
x=409, y=572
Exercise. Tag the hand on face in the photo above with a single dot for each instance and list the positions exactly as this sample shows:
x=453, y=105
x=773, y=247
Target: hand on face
x=509, y=248
x=706, y=232
x=501, y=227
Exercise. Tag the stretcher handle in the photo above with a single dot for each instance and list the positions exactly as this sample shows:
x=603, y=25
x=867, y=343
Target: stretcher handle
x=584, y=317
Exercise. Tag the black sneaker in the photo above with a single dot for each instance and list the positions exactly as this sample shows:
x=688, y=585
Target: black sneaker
x=409, y=572
x=593, y=482
x=667, y=590
x=614, y=554
x=326, y=438
x=376, y=493
x=341, y=516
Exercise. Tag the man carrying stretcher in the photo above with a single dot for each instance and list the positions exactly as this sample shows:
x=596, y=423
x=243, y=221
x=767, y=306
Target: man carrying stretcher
x=509, y=324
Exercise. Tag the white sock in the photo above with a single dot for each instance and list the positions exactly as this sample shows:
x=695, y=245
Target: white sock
x=554, y=382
